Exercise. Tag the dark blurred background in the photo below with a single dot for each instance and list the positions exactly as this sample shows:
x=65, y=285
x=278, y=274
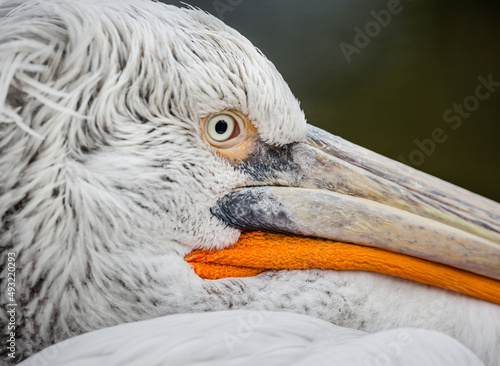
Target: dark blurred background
x=397, y=87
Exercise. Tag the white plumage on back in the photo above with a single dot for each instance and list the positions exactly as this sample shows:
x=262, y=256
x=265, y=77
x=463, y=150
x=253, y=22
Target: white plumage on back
x=253, y=338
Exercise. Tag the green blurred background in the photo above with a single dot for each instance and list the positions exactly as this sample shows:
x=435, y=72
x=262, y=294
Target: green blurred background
x=396, y=89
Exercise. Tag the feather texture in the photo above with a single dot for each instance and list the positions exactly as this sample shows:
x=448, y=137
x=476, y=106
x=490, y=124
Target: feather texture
x=253, y=337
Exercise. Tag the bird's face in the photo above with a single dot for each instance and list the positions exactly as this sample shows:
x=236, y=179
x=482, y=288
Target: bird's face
x=140, y=132
x=160, y=133
x=110, y=177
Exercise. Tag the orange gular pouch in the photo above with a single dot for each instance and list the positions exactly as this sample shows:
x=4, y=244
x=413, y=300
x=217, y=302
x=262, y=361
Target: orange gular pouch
x=256, y=252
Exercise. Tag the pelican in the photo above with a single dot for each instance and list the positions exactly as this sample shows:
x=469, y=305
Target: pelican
x=133, y=133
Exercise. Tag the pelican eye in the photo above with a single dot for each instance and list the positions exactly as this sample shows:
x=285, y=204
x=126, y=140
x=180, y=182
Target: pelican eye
x=224, y=130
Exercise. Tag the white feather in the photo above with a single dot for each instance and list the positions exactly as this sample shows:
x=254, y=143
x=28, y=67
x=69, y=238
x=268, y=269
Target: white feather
x=253, y=338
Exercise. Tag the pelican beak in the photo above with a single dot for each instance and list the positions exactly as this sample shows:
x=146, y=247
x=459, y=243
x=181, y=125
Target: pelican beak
x=329, y=188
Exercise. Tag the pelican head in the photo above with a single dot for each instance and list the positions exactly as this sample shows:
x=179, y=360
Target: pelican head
x=133, y=133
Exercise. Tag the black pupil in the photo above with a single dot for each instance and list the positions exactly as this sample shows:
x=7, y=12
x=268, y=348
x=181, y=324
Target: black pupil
x=221, y=127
